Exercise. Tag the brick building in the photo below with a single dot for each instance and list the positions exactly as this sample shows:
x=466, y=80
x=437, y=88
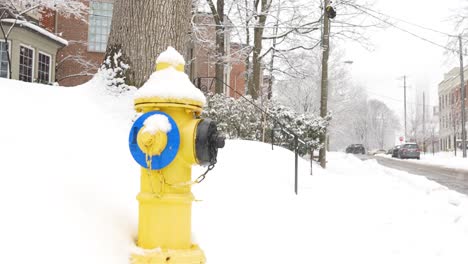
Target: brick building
x=77, y=62
x=203, y=61
x=450, y=109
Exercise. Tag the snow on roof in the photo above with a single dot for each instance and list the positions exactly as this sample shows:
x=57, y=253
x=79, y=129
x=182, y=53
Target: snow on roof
x=169, y=83
x=38, y=29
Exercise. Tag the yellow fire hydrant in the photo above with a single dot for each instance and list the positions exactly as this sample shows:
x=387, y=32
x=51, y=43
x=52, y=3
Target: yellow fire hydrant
x=166, y=140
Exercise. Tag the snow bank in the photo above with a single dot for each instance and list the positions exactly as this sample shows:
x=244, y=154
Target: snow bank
x=68, y=185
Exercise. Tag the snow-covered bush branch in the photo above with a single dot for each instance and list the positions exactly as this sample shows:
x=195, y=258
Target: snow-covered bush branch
x=239, y=118
x=113, y=71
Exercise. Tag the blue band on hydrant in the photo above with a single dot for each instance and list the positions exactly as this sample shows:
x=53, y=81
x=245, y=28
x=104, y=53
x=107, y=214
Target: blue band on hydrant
x=169, y=152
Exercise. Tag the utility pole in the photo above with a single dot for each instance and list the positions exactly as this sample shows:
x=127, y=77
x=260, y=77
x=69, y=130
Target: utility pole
x=454, y=130
x=424, y=123
x=462, y=87
x=404, y=97
x=324, y=82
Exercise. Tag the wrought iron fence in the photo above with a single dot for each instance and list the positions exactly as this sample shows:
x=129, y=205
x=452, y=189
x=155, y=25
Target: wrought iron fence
x=206, y=85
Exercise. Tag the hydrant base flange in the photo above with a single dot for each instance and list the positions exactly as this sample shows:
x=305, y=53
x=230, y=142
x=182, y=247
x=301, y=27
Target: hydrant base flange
x=194, y=255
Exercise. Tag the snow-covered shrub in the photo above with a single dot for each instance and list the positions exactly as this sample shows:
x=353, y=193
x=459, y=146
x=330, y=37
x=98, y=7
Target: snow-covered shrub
x=113, y=71
x=239, y=118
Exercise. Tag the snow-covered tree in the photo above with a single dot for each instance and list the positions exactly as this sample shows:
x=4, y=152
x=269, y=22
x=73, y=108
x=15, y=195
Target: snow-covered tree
x=382, y=122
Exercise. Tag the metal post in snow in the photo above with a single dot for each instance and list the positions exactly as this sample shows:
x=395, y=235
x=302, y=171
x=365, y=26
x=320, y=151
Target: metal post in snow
x=311, y=159
x=424, y=123
x=272, y=137
x=295, y=163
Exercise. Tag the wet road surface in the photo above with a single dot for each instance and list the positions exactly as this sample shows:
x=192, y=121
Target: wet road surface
x=454, y=179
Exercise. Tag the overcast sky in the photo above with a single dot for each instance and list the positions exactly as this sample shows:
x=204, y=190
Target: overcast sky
x=396, y=53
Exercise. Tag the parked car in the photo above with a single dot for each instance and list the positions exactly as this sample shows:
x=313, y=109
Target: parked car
x=409, y=151
x=460, y=145
x=395, y=151
x=356, y=149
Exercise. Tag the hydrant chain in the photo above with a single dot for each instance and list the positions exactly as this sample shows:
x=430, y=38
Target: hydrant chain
x=149, y=160
x=202, y=177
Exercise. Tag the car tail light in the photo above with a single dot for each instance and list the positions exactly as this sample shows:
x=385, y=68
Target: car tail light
x=418, y=150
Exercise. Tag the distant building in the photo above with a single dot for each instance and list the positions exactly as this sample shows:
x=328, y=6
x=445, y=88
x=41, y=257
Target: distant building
x=32, y=51
x=203, y=61
x=450, y=109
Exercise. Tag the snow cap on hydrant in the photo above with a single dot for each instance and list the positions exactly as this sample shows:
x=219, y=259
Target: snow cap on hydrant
x=169, y=83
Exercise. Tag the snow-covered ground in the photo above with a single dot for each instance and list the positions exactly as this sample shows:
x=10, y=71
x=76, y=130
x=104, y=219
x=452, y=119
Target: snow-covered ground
x=68, y=185
x=441, y=159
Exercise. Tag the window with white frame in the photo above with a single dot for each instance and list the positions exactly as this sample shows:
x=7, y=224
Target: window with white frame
x=43, y=69
x=4, y=51
x=100, y=18
x=26, y=64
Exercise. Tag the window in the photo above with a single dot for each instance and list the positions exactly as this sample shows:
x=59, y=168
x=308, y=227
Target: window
x=26, y=64
x=4, y=48
x=43, y=70
x=100, y=17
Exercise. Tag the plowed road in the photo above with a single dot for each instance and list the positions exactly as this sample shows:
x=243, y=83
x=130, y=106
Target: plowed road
x=454, y=179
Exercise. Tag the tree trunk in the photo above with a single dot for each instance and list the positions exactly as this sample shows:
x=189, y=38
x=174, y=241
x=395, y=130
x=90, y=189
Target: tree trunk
x=141, y=30
x=218, y=16
x=256, y=60
x=273, y=52
x=324, y=84
x=248, y=68
x=220, y=48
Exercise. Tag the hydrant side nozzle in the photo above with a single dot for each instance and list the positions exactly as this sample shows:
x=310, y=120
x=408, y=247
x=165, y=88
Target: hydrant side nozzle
x=207, y=142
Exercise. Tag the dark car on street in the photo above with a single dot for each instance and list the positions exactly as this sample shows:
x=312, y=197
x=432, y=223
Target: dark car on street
x=395, y=151
x=356, y=149
x=409, y=151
